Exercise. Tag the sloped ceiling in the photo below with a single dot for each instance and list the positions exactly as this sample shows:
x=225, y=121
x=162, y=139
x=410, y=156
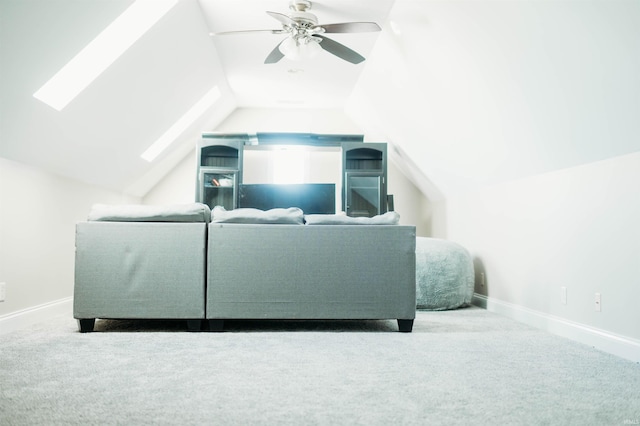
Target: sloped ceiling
x=468, y=93
x=473, y=93
x=99, y=137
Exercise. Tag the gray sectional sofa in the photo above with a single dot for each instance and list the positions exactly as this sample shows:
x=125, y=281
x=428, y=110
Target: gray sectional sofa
x=182, y=262
x=141, y=262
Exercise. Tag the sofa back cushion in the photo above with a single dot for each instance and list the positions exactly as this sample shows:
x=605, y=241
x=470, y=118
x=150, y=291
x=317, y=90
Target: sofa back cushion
x=388, y=218
x=288, y=216
x=193, y=212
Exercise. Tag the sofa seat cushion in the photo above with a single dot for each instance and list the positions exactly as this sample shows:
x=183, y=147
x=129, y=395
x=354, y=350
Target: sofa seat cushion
x=193, y=212
x=289, y=216
x=388, y=218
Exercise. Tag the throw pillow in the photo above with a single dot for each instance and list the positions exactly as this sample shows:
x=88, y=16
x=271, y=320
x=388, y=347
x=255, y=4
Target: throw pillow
x=194, y=212
x=289, y=216
x=388, y=218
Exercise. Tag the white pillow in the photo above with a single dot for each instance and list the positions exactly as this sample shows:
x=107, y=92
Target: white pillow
x=290, y=216
x=388, y=218
x=194, y=212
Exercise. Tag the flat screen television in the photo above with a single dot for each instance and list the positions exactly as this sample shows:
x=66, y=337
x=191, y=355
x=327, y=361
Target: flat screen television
x=312, y=198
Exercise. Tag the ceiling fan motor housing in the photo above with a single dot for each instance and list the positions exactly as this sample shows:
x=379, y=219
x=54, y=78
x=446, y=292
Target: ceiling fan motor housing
x=299, y=13
x=307, y=23
x=300, y=5
x=304, y=18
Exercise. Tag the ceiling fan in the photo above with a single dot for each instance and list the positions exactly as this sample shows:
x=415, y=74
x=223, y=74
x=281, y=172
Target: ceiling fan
x=305, y=37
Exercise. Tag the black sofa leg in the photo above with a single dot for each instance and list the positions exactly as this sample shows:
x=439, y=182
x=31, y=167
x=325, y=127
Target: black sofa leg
x=194, y=325
x=216, y=325
x=86, y=325
x=405, y=325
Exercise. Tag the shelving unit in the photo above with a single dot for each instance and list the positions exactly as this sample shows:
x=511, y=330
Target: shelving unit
x=219, y=170
x=364, y=186
x=364, y=169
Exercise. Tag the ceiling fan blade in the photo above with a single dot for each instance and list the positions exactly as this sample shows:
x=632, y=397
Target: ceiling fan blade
x=340, y=50
x=275, y=55
x=284, y=19
x=248, y=32
x=351, y=27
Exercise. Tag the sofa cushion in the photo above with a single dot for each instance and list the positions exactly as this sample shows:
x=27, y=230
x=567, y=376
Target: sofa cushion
x=194, y=212
x=388, y=218
x=289, y=216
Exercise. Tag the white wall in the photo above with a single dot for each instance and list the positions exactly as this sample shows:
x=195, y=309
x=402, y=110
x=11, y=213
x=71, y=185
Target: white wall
x=178, y=186
x=38, y=214
x=298, y=120
x=521, y=119
x=576, y=227
x=479, y=92
x=409, y=201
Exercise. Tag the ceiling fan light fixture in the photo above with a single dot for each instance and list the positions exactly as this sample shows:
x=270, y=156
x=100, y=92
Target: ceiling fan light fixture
x=299, y=49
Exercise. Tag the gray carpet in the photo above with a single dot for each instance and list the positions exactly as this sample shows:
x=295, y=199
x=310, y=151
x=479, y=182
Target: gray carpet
x=457, y=367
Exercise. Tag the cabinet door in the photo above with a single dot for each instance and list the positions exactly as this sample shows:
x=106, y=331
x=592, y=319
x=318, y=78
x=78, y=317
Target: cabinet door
x=218, y=188
x=364, y=194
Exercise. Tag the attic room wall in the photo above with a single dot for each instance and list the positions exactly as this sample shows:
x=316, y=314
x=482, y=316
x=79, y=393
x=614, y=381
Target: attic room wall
x=523, y=115
x=179, y=185
x=38, y=214
x=576, y=228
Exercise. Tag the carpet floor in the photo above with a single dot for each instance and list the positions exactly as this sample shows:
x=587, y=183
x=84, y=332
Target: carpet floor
x=457, y=367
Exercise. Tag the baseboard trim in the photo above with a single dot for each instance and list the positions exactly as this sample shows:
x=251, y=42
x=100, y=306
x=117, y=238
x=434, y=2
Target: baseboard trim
x=624, y=347
x=30, y=316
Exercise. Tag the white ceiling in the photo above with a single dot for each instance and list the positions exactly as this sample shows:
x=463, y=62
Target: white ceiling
x=324, y=81
x=467, y=92
x=99, y=136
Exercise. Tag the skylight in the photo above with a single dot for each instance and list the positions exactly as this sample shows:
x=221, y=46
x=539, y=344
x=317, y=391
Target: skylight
x=100, y=53
x=182, y=124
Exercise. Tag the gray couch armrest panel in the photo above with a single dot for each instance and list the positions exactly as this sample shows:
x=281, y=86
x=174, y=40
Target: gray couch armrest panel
x=324, y=272
x=140, y=270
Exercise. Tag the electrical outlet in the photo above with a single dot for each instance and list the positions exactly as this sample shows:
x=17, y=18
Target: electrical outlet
x=598, y=303
x=3, y=291
x=563, y=295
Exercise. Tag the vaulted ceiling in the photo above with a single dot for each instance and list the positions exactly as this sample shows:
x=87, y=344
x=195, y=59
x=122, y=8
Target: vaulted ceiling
x=322, y=82
x=468, y=93
x=99, y=136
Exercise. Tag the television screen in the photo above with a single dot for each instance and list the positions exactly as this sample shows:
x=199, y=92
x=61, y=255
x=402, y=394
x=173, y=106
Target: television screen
x=311, y=198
